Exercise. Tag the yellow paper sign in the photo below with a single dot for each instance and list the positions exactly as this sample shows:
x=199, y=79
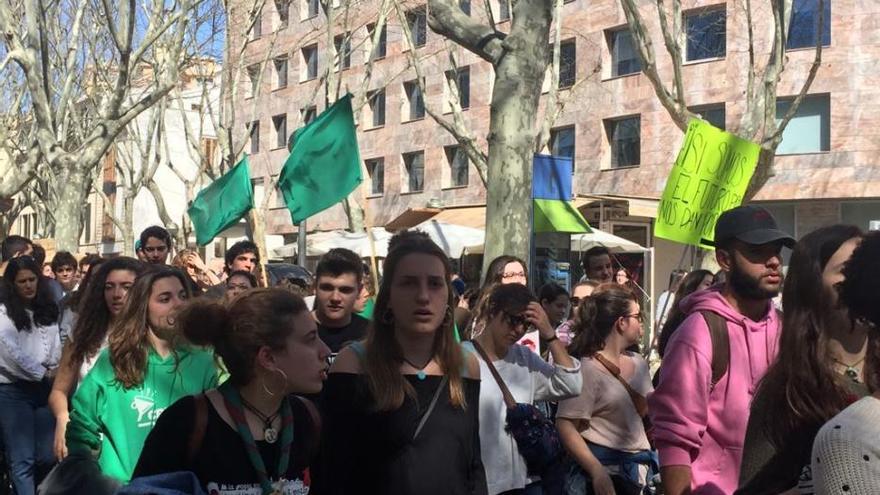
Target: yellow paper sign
x=710, y=176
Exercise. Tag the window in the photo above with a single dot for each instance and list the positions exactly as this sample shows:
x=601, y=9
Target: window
x=310, y=63
x=342, y=48
x=255, y=137
x=503, y=11
x=623, y=136
x=376, y=100
x=280, y=72
x=458, y=166
x=809, y=130
x=462, y=82
x=376, y=171
x=414, y=101
x=309, y=114
x=567, y=63
x=257, y=29
x=253, y=73
x=804, y=24
x=283, y=9
x=415, y=170
x=417, y=20
x=279, y=122
x=624, y=58
x=713, y=114
x=310, y=8
x=465, y=6
x=706, y=34
x=381, y=47
x=562, y=143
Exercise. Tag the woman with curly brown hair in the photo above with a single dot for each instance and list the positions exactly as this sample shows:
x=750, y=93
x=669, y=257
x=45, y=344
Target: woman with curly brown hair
x=145, y=369
x=102, y=300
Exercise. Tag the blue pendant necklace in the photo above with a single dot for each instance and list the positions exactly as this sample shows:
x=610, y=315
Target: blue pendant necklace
x=420, y=373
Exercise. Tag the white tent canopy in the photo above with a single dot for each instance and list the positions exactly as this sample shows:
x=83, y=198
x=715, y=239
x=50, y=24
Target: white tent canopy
x=615, y=244
x=453, y=239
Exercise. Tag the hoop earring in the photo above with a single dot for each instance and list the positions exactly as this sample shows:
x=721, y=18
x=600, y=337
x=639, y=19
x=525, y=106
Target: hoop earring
x=266, y=389
x=387, y=317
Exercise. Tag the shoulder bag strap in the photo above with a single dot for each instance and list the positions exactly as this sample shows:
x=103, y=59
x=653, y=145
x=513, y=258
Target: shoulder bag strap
x=200, y=426
x=431, y=406
x=508, y=397
x=638, y=399
x=720, y=345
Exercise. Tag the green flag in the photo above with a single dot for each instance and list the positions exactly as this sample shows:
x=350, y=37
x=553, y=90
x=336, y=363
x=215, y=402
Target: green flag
x=223, y=203
x=324, y=165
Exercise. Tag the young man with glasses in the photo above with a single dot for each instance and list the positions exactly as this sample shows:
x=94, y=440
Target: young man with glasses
x=700, y=417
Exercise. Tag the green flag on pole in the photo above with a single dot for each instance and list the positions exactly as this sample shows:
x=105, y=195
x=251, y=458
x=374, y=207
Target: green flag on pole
x=223, y=203
x=324, y=165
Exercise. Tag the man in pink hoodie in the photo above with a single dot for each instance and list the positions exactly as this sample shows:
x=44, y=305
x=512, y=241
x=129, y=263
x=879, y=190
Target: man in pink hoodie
x=699, y=428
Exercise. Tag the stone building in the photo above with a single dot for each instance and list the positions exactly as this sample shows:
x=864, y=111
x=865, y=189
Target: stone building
x=622, y=140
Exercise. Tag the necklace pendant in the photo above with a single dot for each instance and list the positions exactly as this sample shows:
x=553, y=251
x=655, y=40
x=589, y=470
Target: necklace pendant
x=852, y=374
x=421, y=375
x=270, y=435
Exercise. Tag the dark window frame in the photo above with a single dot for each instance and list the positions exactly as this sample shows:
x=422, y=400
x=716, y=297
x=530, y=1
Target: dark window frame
x=620, y=156
x=705, y=42
x=415, y=182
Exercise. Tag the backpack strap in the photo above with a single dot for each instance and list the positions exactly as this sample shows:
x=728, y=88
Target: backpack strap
x=720, y=345
x=200, y=426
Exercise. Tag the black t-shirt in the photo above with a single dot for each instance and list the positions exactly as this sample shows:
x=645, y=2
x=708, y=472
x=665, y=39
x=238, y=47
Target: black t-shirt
x=221, y=463
x=339, y=337
x=369, y=452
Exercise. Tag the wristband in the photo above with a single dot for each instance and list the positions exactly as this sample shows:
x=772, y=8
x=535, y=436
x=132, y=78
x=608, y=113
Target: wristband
x=551, y=339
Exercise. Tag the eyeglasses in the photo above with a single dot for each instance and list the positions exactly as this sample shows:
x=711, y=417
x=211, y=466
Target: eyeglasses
x=513, y=274
x=639, y=316
x=516, y=320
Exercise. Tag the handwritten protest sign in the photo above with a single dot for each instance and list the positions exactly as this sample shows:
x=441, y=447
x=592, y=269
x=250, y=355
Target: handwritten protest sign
x=710, y=176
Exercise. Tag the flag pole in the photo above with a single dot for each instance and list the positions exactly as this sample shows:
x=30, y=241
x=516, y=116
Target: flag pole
x=301, y=244
x=368, y=224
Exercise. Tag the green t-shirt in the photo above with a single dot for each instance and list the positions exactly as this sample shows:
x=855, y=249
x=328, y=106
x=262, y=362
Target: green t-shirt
x=112, y=423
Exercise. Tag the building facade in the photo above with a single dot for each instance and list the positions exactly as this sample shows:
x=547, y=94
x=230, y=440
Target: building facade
x=621, y=138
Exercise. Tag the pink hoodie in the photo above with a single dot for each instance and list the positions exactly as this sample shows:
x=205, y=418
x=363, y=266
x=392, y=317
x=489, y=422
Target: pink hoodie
x=705, y=429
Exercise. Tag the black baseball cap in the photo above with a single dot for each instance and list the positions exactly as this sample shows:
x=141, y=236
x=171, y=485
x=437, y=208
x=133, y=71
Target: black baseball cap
x=751, y=225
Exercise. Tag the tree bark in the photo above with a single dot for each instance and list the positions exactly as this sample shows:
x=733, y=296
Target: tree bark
x=520, y=60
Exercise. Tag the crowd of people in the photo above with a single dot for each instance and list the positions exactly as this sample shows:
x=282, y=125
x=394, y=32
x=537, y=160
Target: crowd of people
x=136, y=375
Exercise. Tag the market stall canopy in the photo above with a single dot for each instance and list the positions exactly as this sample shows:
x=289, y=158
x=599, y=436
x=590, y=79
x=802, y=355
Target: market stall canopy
x=453, y=239
x=615, y=244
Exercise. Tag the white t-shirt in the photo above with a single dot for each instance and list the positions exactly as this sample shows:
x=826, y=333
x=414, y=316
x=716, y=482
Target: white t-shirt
x=529, y=379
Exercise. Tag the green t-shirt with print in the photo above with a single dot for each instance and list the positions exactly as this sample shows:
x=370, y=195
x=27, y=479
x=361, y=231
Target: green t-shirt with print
x=112, y=423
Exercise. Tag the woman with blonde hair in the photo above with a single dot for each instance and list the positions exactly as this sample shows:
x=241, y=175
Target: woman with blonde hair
x=402, y=407
x=200, y=277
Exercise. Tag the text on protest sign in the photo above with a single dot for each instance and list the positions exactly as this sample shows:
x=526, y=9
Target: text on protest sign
x=710, y=176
